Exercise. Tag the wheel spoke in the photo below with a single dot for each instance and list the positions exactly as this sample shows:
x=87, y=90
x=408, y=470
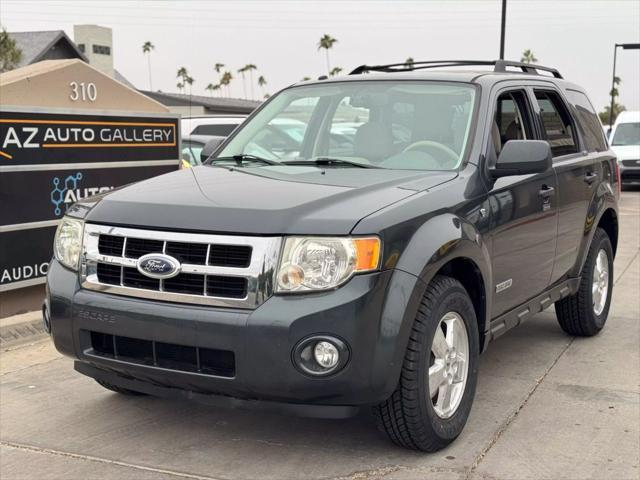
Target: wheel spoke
x=451, y=335
x=439, y=346
x=444, y=397
x=436, y=377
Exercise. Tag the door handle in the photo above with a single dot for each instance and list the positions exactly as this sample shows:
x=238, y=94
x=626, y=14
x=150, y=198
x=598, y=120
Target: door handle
x=546, y=191
x=590, y=177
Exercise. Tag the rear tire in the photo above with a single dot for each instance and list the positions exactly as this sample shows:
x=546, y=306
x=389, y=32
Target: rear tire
x=414, y=417
x=584, y=313
x=120, y=390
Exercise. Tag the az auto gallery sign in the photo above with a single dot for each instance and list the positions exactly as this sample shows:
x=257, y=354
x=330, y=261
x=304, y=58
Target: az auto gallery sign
x=48, y=161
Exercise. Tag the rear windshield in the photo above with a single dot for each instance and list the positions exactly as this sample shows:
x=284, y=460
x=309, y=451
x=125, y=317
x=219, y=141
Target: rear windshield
x=627, y=134
x=395, y=125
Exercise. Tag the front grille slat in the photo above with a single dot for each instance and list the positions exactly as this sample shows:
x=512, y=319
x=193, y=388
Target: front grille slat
x=137, y=247
x=184, y=358
x=221, y=270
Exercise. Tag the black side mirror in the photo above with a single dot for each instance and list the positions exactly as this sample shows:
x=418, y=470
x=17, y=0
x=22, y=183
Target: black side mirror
x=522, y=157
x=210, y=147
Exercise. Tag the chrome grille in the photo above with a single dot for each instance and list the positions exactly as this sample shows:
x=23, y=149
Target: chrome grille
x=222, y=270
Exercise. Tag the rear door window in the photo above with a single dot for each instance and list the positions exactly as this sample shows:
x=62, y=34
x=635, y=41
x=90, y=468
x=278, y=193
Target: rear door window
x=589, y=121
x=557, y=123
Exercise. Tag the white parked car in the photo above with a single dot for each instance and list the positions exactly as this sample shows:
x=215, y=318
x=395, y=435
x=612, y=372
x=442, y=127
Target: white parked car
x=625, y=142
x=217, y=125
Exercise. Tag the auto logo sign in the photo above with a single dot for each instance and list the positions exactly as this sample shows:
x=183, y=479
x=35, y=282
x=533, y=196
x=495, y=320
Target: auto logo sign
x=158, y=265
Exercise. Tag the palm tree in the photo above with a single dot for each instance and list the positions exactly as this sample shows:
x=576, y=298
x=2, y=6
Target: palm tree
x=409, y=62
x=182, y=72
x=335, y=71
x=180, y=86
x=528, y=57
x=146, y=50
x=262, y=82
x=210, y=88
x=216, y=87
x=218, y=68
x=244, y=83
x=326, y=42
x=250, y=68
x=226, y=80
x=188, y=80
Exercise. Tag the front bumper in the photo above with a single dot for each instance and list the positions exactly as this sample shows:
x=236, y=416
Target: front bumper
x=630, y=175
x=262, y=341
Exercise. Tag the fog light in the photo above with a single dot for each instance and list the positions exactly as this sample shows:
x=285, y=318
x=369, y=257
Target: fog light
x=326, y=354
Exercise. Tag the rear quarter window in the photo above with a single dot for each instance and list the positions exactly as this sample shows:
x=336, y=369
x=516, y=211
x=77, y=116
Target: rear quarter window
x=588, y=121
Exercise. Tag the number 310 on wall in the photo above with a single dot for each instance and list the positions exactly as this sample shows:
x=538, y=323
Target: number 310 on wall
x=83, y=91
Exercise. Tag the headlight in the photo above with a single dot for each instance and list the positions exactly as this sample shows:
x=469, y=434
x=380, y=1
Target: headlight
x=68, y=243
x=323, y=263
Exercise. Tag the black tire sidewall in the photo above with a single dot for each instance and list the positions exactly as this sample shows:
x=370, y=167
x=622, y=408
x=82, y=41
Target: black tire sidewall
x=454, y=299
x=601, y=243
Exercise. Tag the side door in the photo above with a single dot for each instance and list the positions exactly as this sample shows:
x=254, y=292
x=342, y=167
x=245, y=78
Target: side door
x=578, y=171
x=523, y=210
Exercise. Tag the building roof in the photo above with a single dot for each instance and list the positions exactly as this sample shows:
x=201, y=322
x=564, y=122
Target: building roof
x=35, y=44
x=222, y=105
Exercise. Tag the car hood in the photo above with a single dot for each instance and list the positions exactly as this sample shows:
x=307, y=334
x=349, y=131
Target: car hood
x=626, y=152
x=260, y=200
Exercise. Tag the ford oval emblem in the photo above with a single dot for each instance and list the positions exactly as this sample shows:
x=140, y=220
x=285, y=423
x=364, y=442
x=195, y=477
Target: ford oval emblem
x=158, y=265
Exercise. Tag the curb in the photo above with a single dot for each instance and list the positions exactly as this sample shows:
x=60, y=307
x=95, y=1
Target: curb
x=21, y=329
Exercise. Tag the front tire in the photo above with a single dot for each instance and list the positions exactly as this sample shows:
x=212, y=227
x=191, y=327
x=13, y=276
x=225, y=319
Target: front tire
x=431, y=404
x=584, y=313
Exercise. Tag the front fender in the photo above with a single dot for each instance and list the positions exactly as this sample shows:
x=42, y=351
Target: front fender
x=438, y=241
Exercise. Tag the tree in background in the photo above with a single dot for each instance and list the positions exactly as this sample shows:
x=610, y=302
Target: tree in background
x=409, y=62
x=617, y=108
x=528, y=57
x=10, y=54
x=262, y=82
x=188, y=80
x=225, y=81
x=218, y=68
x=335, y=71
x=250, y=67
x=210, y=88
x=147, y=47
x=180, y=86
x=327, y=42
x=244, y=83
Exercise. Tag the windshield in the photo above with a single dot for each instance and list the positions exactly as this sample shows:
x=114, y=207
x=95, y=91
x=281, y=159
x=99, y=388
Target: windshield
x=627, y=134
x=397, y=125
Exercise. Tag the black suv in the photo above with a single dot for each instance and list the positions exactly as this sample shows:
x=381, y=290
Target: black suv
x=358, y=241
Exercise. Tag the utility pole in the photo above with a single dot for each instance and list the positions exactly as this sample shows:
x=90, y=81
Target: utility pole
x=502, y=28
x=625, y=46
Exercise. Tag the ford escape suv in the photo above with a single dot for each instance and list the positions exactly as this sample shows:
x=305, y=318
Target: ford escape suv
x=358, y=241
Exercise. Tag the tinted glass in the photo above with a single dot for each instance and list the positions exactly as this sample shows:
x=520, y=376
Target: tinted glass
x=557, y=124
x=398, y=125
x=191, y=152
x=627, y=134
x=222, y=130
x=589, y=121
x=511, y=121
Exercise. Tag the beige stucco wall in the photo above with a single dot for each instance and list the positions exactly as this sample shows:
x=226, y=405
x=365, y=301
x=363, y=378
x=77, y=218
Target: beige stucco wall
x=50, y=84
x=90, y=35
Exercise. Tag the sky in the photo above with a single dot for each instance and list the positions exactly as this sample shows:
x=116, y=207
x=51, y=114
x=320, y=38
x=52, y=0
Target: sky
x=281, y=37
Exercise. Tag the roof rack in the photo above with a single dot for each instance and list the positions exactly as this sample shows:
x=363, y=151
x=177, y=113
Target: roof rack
x=498, y=66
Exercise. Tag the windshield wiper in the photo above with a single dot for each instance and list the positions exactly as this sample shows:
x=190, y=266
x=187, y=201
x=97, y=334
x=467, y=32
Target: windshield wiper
x=240, y=159
x=326, y=161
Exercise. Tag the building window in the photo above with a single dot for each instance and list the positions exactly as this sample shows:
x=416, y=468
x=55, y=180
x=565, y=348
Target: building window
x=102, y=50
x=81, y=47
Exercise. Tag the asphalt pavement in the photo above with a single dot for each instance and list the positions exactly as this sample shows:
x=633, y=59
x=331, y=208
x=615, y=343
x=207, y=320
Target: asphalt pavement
x=548, y=406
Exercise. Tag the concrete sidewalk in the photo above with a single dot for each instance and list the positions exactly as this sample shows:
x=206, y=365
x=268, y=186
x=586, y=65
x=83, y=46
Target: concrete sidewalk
x=548, y=406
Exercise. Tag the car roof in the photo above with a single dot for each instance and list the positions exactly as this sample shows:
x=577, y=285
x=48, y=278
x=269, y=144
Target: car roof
x=628, y=117
x=466, y=76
